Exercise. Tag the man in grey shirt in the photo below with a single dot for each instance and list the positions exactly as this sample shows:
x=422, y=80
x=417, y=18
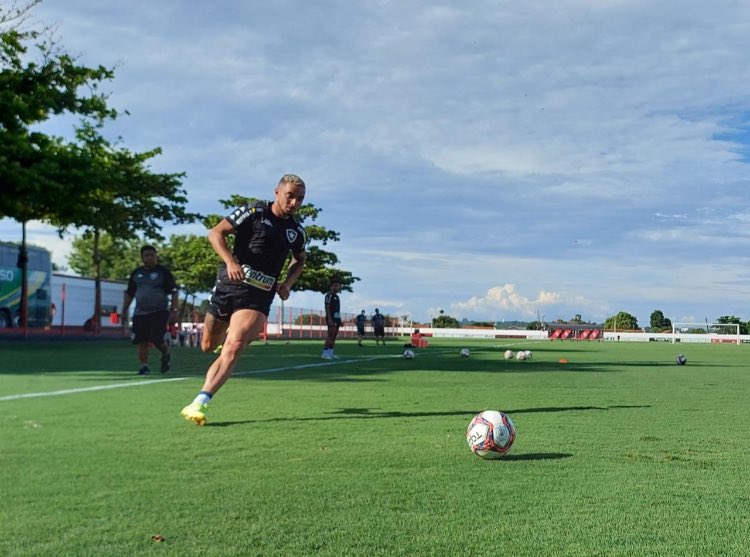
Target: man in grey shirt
x=150, y=285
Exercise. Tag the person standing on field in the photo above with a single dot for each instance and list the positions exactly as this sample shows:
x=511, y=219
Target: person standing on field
x=361, y=322
x=151, y=286
x=378, y=326
x=264, y=236
x=333, y=318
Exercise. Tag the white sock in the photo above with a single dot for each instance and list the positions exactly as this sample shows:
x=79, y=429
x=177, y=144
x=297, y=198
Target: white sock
x=202, y=398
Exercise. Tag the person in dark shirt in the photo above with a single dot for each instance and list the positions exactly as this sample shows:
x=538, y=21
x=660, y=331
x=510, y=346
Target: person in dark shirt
x=150, y=285
x=378, y=326
x=361, y=322
x=248, y=279
x=333, y=318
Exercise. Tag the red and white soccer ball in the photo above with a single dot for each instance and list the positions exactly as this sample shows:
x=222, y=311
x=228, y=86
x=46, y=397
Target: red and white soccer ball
x=490, y=434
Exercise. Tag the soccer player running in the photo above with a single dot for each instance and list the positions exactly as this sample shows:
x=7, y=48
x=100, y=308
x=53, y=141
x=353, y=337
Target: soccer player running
x=333, y=318
x=264, y=236
x=378, y=326
x=150, y=285
x=361, y=322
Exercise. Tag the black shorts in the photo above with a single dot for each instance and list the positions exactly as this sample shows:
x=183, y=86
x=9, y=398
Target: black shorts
x=150, y=327
x=379, y=331
x=361, y=331
x=228, y=298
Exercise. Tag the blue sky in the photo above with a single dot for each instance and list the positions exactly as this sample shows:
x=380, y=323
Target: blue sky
x=494, y=159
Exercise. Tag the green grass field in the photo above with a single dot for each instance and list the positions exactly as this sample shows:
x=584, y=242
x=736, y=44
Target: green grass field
x=619, y=452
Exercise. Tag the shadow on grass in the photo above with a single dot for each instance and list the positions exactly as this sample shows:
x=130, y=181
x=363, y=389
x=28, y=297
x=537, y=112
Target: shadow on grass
x=348, y=369
x=369, y=414
x=99, y=358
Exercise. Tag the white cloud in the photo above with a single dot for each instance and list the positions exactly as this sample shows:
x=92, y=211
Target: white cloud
x=501, y=300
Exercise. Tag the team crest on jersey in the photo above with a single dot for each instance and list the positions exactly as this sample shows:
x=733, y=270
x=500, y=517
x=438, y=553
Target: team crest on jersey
x=153, y=275
x=291, y=235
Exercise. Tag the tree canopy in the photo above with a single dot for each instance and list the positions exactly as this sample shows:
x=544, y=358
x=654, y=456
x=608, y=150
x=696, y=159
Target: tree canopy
x=38, y=82
x=192, y=261
x=658, y=322
x=445, y=321
x=731, y=319
x=117, y=258
x=623, y=321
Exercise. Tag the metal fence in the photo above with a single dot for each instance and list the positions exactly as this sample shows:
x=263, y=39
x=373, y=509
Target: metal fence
x=299, y=323
x=283, y=322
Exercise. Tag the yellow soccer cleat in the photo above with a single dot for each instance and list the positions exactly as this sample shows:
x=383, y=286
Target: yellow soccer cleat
x=195, y=412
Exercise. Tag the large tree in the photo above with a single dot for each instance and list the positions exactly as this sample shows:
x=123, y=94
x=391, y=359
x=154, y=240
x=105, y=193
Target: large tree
x=731, y=319
x=659, y=322
x=445, y=321
x=86, y=182
x=623, y=321
x=122, y=196
x=38, y=81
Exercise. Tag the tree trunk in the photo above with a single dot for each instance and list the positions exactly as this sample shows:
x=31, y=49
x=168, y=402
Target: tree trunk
x=97, y=285
x=23, y=264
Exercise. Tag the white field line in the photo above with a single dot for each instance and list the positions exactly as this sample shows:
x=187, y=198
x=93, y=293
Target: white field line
x=88, y=389
x=172, y=379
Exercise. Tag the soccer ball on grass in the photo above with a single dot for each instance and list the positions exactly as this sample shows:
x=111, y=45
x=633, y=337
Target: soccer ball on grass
x=409, y=354
x=465, y=353
x=681, y=359
x=490, y=434
x=508, y=354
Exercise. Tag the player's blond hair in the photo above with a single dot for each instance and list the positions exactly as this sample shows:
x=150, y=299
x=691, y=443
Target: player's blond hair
x=292, y=179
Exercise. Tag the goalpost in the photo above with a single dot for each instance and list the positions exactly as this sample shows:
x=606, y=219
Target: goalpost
x=706, y=332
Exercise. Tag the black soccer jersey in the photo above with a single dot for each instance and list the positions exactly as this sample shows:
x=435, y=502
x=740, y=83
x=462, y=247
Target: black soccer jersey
x=333, y=305
x=262, y=242
x=150, y=288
